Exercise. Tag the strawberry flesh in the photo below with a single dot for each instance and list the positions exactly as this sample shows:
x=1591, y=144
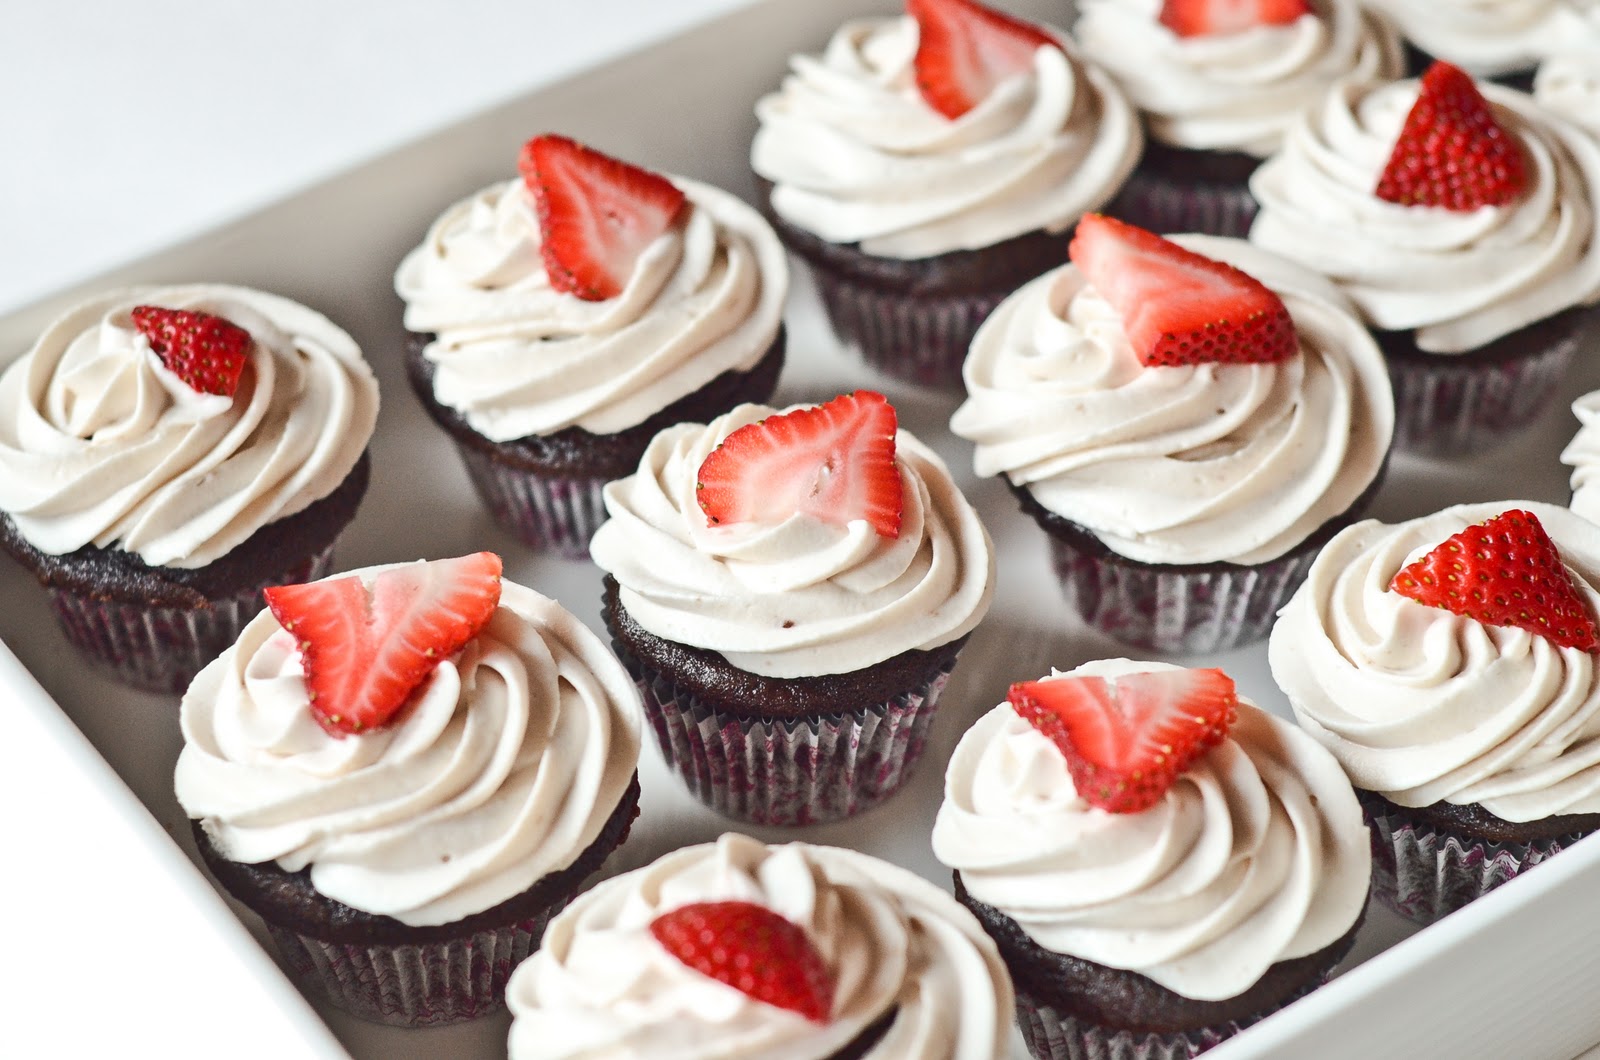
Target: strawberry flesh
x=1451, y=151
x=1205, y=18
x=364, y=651
x=752, y=949
x=1127, y=738
x=834, y=461
x=1179, y=307
x=1504, y=572
x=206, y=351
x=965, y=49
x=597, y=214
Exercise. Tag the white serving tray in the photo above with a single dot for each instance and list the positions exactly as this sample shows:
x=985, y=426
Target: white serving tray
x=1506, y=977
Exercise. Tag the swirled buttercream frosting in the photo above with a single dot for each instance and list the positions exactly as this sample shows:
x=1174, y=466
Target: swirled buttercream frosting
x=1234, y=91
x=503, y=767
x=516, y=357
x=1256, y=854
x=1494, y=36
x=100, y=444
x=857, y=156
x=1422, y=705
x=1195, y=464
x=1569, y=85
x=1460, y=279
x=1582, y=454
x=898, y=948
x=804, y=596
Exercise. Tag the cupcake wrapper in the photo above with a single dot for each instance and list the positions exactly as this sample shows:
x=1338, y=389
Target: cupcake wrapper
x=1055, y=1035
x=545, y=512
x=1151, y=201
x=794, y=771
x=415, y=985
x=919, y=338
x=160, y=649
x=1448, y=405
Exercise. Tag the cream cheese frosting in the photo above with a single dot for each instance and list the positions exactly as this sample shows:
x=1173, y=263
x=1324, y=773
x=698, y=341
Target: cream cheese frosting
x=1569, y=85
x=1234, y=91
x=803, y=597
x=1256, y=854
x=602, y=986
x=1582, y=454
x=503, y=768
x=516, y=357
x=1422, y=705
x=1494, y=36
x=1460, y=279
x=100, y=444
x=1196, y=464
x=857, y=156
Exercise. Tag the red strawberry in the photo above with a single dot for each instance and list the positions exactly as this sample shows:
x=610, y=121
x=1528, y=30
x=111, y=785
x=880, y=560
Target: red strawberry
x=1204, y=18
x=752, y=949
x=205, y=351
x=964, y=49
x=1179, y=307
x=1504, y=572
x=365, y=651
x=1127, y=738
x=596, y=214
x=1451, y=151
x=834, y=461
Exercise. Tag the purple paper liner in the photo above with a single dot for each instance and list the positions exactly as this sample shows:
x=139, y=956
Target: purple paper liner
x=791, y=771
x=160, y=649
x=545, y=512
x=416, y=985
x=1159, y=204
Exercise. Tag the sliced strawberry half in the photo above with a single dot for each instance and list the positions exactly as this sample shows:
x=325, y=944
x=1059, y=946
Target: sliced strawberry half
x=596, y=214
x=752, y=949
x=1451, y=151
x=1127, y=738
x=206, y=351
x=1206, y=18
x=834, y=461
x=365, y=651
x=1179, y=307
x=964, y=49
x=1504, y=572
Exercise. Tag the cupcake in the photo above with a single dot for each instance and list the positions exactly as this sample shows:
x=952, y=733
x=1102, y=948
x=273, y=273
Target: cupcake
x=1218, y=87
x=1499, y=40
x=558, y=321
x=405, y=771
x=1467, y=725
x=925, y=166
x=1160, y=861
x=165, y=452
x=791, y=590
x=1473, y=286
x=741, y=950
x=1184, y=495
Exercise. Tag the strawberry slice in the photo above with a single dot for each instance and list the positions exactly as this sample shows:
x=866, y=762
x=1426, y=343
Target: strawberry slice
x=1179, y=307
x=596, y=214
x=752, y=949
x=964, y=49
x=1451, y=151
x=206, y=351
x=1127, y=738
x=1206, y=18
x=834, y=461
x=1504, y=572
x=366, y=650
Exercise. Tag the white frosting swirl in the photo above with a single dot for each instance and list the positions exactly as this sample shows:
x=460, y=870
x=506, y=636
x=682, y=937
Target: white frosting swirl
x=602, y=986
x=1461, y=279
x=1256, y=854
x=1234, y=91
x=1423, y=705
x=804, y=597
x=100, y=444
x=857, y=155
x=1195, y=464
x=1582, y=454
x=503, y=768
x=1491, y=37
x=1569, y=85
x=516, y=357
